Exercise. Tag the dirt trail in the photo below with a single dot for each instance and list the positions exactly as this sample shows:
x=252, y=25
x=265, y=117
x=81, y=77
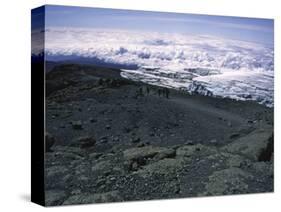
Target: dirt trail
x=192, y=104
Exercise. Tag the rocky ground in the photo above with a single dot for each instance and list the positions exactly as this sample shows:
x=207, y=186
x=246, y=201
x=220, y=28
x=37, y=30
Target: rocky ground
x=109, y=139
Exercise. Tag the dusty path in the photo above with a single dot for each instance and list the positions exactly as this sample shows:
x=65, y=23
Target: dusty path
x=193, y=105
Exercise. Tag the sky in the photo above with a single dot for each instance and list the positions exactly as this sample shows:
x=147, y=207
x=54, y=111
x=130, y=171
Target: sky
x=245, y=29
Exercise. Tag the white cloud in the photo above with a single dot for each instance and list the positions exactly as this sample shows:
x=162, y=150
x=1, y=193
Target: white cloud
x=158, y=49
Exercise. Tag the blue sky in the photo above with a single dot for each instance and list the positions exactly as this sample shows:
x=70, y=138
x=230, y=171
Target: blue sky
x=247, y=29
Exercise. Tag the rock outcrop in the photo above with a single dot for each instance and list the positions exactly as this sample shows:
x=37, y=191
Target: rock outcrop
x=253, y=145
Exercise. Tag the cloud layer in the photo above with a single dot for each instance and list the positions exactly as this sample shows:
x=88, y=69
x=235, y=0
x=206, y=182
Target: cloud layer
x=158, y=49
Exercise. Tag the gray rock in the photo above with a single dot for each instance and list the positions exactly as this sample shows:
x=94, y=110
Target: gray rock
x=134, y=166
x=230, y=160
x=229, y=123
x=62, y=126
x=263, y=168
x=189, y=151
x=152, y=134
x=67, y=155
x=127, y=130
x=103, y=139
x=77, y=125
x=135, y=140
x=140, y=153
x=95, y=155
x=214, y=142
x=84, y=142
x=168, y=153
x=56, y=171
x=102, y=166
x=92, y=120
x=234, y=135
x=189, y=142
x=251, y=145
x=54, y=197
x=228, y=181
x=141, y=144
x=49, y=141
x=250, y=121
x=167, y=166
x=115, y=139
x=75, y=191
x=112, y=196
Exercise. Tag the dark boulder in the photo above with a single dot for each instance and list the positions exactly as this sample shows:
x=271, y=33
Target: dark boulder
x=77, y=125
x=84, y=142
x=49, y=141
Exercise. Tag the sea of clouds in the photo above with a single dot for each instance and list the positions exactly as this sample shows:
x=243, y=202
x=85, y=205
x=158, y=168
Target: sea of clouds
x=228, y=68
